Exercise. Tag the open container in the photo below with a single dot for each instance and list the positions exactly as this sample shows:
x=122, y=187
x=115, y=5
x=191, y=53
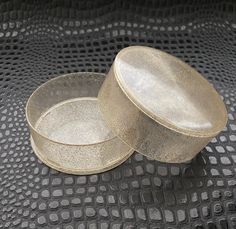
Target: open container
x=150, y=102
x=161, y=106
x=67, y=130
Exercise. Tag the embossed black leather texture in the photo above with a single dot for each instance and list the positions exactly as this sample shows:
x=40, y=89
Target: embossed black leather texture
x=42, y=39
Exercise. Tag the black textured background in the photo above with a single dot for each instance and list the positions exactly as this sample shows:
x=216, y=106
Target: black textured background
x=42, y=39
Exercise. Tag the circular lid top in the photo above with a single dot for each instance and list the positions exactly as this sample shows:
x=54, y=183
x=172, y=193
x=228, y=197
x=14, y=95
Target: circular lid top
x=169, y=91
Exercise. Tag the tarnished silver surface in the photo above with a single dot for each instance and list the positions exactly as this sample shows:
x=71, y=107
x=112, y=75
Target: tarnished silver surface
x=159, y=105
x=67, y=130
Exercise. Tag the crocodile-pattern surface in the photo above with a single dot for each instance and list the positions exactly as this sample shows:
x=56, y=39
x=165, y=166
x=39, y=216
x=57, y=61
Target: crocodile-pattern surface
x=42, y=39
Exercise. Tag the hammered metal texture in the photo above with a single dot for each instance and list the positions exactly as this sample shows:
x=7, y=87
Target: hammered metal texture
x=40, y=40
